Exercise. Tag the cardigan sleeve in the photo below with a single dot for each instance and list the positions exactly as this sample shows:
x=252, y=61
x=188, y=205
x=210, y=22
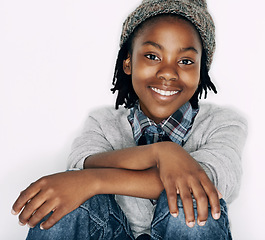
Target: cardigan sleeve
x=221, y=137
x=91, y=141
x=105, y=129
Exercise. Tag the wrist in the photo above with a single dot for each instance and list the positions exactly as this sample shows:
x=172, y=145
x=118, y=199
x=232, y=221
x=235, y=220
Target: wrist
x=91, y=181
x=162, y=148
x=155, y=151
x=158, y=149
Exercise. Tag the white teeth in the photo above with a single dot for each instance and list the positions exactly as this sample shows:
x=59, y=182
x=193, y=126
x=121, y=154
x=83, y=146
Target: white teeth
x=164, y=93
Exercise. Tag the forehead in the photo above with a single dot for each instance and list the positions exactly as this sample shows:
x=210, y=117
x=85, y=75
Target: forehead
x=161, y=25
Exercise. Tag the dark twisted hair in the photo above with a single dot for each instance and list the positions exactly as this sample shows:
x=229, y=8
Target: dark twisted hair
x=123, y=82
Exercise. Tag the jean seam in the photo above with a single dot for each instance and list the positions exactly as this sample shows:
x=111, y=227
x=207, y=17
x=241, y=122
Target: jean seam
x=224, y=215
x=159, y=219
x=100, y=225
x=122, y=223
x=155, y=236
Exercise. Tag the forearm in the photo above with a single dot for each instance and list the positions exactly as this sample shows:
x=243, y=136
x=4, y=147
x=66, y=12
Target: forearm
x=61, y=193
x=143, y=184
x=135, y=158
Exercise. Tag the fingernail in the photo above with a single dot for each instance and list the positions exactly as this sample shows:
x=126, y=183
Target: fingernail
x=41, y=227
x=191, y=224
x=216, y=216
x=13, y=212
x=29, y=225
x=201, y=223
x=174, y=215
x=21, y=224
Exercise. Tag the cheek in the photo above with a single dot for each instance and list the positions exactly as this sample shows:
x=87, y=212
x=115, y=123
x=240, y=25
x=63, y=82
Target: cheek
x=141, y=76
x=191, y=80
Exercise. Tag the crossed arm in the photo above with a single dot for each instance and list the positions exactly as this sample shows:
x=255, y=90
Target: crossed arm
x=142, y=171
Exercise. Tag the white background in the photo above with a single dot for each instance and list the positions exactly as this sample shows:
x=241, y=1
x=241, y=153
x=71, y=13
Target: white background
x=56, y=64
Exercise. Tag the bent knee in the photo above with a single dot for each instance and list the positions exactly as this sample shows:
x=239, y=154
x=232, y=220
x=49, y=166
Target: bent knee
x=165, y=226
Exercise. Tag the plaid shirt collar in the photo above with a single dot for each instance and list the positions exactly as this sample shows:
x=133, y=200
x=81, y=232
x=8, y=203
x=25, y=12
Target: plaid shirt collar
x=176, y=127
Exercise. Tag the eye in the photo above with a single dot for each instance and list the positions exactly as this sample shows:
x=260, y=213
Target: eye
x=186, y=62
x=152, y=57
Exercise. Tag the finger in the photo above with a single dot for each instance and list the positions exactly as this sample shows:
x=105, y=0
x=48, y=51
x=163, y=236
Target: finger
x=24, y=197
x=219, y=194
x=40, y=213
x=31, y=206
x=213, y=197
x=202, y=203
x=187, y=202
x=172, y=199
x=54, y=218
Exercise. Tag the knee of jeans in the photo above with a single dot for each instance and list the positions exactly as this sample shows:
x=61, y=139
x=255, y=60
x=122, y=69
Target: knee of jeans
x=165, y=226
x=107, y=217
x=99, y=207
x=94, y=218
x=213, y=229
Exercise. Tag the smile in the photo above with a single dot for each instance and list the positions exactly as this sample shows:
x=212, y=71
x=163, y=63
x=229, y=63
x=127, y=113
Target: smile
x=163, y=92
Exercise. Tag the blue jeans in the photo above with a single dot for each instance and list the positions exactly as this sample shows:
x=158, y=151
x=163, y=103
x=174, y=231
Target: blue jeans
x=100, y=217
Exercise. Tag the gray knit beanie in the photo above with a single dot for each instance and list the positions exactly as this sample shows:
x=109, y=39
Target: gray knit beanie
x=194, y=10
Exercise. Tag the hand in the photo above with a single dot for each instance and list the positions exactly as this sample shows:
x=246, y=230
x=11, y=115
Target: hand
x=181, y=174
x=60, y=193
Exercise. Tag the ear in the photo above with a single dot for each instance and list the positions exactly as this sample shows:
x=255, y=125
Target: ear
x=127, y=65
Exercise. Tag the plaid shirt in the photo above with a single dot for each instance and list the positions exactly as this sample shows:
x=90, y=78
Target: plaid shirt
x=175, y=128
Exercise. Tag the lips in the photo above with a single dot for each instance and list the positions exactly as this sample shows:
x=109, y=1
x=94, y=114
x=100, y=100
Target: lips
x=164, y=92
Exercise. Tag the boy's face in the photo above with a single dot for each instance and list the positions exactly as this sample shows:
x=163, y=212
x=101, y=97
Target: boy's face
x=165, y=66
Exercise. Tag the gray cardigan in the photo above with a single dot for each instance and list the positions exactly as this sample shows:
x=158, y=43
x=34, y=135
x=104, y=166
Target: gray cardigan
x=216, y=142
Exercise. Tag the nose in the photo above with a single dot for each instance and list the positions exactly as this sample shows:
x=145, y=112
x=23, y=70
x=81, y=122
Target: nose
x=168, y=73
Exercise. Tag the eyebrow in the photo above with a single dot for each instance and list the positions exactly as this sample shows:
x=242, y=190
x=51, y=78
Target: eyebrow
x=189, y=49
x=153, y=44
x=161, y=47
